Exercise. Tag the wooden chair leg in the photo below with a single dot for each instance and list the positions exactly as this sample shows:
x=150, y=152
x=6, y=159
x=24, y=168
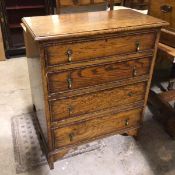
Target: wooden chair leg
x=122, y=2
x=111, y=4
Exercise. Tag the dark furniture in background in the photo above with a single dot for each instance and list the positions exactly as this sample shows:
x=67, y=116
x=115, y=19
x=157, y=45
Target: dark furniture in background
x=160, y=102
x=165, y=9
x=74, y=6
x=71, y=6
x=137, y=4
x=11, y=12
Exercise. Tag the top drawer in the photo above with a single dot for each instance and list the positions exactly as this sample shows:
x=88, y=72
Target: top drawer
x=85, y=50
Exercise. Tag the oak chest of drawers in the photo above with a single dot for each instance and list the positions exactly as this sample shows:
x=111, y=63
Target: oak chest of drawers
x=89, y=78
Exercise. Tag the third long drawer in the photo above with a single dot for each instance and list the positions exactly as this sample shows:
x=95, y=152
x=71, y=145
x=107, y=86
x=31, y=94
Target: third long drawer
x=91, y=102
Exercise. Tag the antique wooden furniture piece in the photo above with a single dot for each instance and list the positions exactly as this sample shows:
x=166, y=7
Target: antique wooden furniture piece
x=2, y=52
x=165, y=9
x=159, y=103
x=11, y=12
x=89, y=78
x=68, y=6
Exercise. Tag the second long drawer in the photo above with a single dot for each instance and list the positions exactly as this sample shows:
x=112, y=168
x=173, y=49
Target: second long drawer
x=98, y=74
x=89, y=103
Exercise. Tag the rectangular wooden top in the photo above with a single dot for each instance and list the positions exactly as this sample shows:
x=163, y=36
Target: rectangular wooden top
x=84, y=24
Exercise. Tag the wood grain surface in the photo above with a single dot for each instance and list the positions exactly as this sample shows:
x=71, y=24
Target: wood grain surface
x=90, y=76
x=82, y=51
x=93, y=128
x=72, y=107
x=109, y=58
x=160, y=10
x=86, y=24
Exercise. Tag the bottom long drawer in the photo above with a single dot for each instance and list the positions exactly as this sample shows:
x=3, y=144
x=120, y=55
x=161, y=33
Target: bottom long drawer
x=94, y=128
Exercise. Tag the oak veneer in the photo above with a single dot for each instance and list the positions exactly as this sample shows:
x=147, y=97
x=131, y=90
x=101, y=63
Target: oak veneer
x=89, y=78
x=72, y=107
x=85, y=130
x=109, y=45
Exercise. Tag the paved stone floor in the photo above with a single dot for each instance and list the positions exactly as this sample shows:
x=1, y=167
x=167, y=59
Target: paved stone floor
x=152, y=154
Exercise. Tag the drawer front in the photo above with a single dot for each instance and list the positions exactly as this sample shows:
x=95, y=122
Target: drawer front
x=78, y=2
x=163, y=9
x=87, y=130
x=78, y=52
x=89, y=103
x=95, y=75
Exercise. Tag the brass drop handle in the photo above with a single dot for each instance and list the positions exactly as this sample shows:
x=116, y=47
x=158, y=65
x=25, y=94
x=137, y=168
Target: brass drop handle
x=69, y=81
x=71, y=136
x=130, y=94
x=134, y=71
x=137, y=46
x=75, y=2
x=166, y=8
x=126, y=122
x=69, y=54
x=70, y=110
